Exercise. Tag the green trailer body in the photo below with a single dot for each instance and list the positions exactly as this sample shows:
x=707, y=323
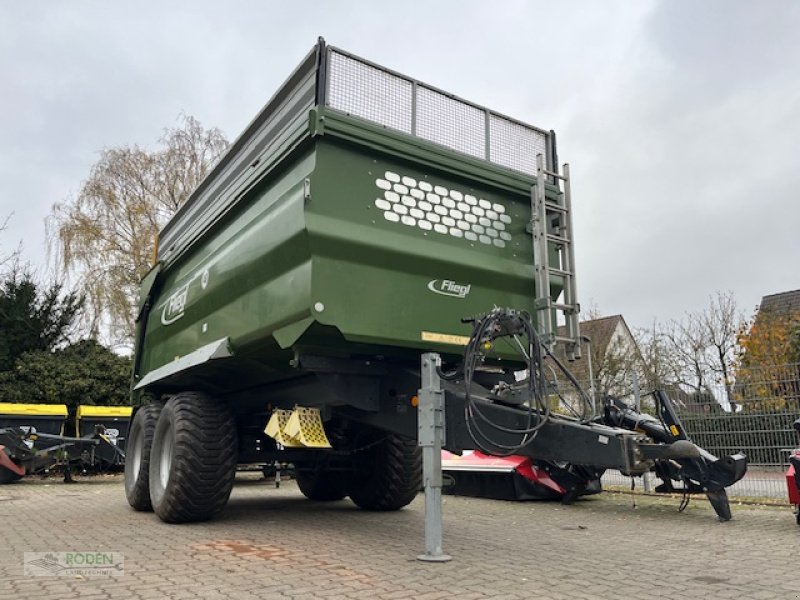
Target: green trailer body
x=303, y=287
x=324, y=231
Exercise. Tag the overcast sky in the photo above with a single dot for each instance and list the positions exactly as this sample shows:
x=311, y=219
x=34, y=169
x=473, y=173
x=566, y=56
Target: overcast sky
x=680, y=119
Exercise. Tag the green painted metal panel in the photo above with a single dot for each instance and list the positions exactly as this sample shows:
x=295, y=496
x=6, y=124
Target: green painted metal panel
x=379, y=280
x=314, y=245
x=248, y=276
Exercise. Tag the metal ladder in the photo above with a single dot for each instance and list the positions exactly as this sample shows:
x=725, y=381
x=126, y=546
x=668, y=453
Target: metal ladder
x=551, y=225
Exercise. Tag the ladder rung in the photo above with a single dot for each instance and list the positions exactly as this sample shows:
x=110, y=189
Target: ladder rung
x=555, y=207
x=560, y=272
x=558, y=239
x=561, y=338
x=547, y=304
x=564, y=307
x=553, y=174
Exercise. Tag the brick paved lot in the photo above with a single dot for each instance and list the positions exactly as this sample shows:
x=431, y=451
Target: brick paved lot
x=276, y=544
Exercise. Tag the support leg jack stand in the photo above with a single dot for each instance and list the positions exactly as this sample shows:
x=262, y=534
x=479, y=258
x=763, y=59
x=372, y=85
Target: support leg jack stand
x=431, y=439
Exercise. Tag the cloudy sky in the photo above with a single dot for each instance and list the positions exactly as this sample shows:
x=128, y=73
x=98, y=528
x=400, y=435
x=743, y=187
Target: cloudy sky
x=681, y=119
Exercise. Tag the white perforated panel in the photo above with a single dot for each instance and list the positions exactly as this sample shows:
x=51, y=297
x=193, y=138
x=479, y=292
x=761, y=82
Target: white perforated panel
x=442, y=210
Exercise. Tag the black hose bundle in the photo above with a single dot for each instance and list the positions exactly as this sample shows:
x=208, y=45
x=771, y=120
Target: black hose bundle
x=500, y=323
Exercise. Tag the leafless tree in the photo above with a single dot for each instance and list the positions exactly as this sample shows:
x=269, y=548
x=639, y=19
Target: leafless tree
x=613, y=360
x=720, y=325
x=8, y=258
x=106, y=236
x=702, y=345
x=658, y=365
x=613, y=366
x=687, y=351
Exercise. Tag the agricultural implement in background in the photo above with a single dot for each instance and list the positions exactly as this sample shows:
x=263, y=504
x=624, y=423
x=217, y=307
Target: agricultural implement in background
x=23, y=452
x=32, y=439
x=314, y=283
x=517, y=478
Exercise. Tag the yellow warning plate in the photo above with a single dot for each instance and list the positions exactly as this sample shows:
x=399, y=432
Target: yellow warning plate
x=445, y=338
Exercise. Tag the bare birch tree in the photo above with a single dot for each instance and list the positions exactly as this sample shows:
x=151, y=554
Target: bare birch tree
x=106, y=235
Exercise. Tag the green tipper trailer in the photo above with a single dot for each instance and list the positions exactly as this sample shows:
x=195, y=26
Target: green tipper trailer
x=345, y=233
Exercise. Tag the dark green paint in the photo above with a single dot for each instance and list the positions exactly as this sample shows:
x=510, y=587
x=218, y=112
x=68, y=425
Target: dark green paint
x=277, y=254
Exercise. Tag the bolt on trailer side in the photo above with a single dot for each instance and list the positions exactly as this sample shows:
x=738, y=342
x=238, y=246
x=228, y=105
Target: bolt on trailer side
x=359, y=213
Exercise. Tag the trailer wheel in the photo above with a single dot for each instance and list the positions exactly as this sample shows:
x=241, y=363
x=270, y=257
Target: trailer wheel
x=137, y=456
x=325, y=486
x=8, y=476
x=193, y=460
x=388, y=473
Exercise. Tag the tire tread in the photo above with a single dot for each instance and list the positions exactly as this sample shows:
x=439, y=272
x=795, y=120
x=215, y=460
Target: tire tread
x=137, y=485
x=396, y=477
x=204, y=464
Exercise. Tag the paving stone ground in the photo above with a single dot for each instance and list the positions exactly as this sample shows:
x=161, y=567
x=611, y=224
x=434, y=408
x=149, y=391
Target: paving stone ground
x=276, y=544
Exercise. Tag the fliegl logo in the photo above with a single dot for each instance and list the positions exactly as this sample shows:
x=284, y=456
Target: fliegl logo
x=175, y=306
x=446, y=287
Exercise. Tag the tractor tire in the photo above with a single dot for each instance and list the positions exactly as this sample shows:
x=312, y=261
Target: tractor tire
x=8, y=476
x=388, y=474
x=193, y=462
x=137, y=456
x=324, y=486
